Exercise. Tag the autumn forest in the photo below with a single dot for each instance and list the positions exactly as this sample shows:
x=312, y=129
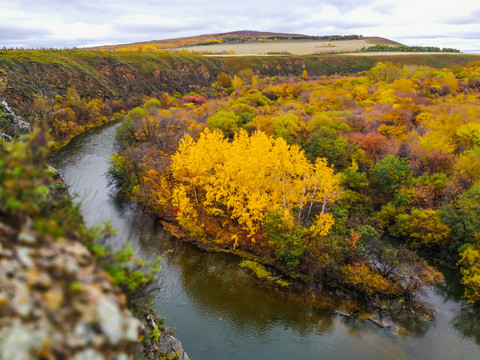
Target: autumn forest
x=320, y=176
x=363, y=183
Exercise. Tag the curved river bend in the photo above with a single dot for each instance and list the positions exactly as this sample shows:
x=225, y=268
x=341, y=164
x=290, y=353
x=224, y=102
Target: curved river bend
x=218, y=312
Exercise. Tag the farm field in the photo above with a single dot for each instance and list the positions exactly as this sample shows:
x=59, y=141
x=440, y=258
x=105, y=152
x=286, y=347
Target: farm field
x=394, y=53
x=294, y=47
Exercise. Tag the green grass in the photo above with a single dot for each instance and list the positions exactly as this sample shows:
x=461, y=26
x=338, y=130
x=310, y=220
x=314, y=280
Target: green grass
x=261, y=272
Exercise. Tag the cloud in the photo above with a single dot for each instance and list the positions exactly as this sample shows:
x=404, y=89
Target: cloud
x=471, y=18
x=59, y=23
x=14, y=33
x=153, y=29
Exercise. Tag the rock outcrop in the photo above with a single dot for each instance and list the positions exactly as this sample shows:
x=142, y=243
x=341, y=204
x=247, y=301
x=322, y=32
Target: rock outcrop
x=164, y=344
x=10, y=123
x=56, y=302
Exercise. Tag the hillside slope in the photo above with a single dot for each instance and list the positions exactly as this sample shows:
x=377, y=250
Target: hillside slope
x=241, y=36
x=125, y=75
x=73, y=90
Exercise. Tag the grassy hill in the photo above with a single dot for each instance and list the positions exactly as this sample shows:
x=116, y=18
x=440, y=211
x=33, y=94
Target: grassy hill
x=123, y=75
x=201, y=43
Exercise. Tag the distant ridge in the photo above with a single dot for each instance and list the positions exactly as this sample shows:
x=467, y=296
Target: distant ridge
x=182, y=42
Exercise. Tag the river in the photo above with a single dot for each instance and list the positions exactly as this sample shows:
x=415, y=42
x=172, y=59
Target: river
x=219, y=312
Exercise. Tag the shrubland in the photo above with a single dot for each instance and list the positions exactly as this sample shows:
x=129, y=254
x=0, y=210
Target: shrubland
x=308, y=173
x=321, y=175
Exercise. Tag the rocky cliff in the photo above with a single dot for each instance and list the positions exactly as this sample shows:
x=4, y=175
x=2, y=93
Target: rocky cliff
x=108, y=75
x=56, y=302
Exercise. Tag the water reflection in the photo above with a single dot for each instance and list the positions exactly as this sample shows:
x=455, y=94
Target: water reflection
x=451, y=289
x=223, y=287
x=468, y=322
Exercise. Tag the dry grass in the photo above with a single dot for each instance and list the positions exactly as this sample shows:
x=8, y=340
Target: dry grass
x=298, y=47
x=400, y=53
x=375, y=40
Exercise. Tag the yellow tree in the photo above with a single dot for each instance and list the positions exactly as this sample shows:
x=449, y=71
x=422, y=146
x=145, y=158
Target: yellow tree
x=470, y=269
x=249, y=177
x=305, y=74
x=237, y=83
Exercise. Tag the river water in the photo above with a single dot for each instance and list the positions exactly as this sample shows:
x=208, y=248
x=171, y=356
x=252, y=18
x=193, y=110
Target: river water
x=219, y=312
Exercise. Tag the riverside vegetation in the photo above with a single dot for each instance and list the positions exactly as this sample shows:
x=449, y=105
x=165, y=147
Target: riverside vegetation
x=313, y=176
x=62, y=294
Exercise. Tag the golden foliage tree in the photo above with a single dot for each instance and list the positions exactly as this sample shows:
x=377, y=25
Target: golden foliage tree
x=249, y=177
x=470, y=269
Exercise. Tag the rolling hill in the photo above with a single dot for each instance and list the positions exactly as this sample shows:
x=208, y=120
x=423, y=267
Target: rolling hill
x=247, y=42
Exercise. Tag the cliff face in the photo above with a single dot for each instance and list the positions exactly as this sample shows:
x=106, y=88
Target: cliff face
x=125, y=75
x=56, y=302
x=100, y=75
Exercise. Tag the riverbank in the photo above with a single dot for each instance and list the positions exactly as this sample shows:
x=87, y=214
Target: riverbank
x=57, y=297
x=219, y=311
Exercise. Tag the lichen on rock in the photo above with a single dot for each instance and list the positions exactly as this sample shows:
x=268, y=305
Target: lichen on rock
x=44, y=315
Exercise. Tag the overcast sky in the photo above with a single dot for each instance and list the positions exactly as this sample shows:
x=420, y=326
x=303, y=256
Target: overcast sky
x=69, y=23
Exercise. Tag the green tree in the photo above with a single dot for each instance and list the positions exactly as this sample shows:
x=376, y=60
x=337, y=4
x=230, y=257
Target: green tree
x=463, y=218
x=322, y=144
x=286, y=126
x=226, y=121
x=391, y=173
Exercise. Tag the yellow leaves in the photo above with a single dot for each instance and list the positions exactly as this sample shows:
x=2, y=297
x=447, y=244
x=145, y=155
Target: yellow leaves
x=249, y=177
x=360, y=92
x=467, y=167
x=148, y=129
x=434, y=140
x=426, y=119
x=322, y=225
x=431, y=83
x=159, y=189
x=215, y=211
x=254, y=81
x=324, y=184
x=470, y=269
x=385, y=96
x=363, y=277
x=64, y=128
x=393, y=130
x=237, y=83
x=288, y=219
x=284, y=90
x=385, y=72
x=427, y=229
x=329, y=99
x=181, y=200
x=305, y=74
x=234, y=239
x=450, y=81
x=405, y=85
x=469, y=133
x=264, y=123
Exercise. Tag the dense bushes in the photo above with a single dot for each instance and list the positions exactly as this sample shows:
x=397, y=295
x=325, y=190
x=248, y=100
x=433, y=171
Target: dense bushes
x=401, y=140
